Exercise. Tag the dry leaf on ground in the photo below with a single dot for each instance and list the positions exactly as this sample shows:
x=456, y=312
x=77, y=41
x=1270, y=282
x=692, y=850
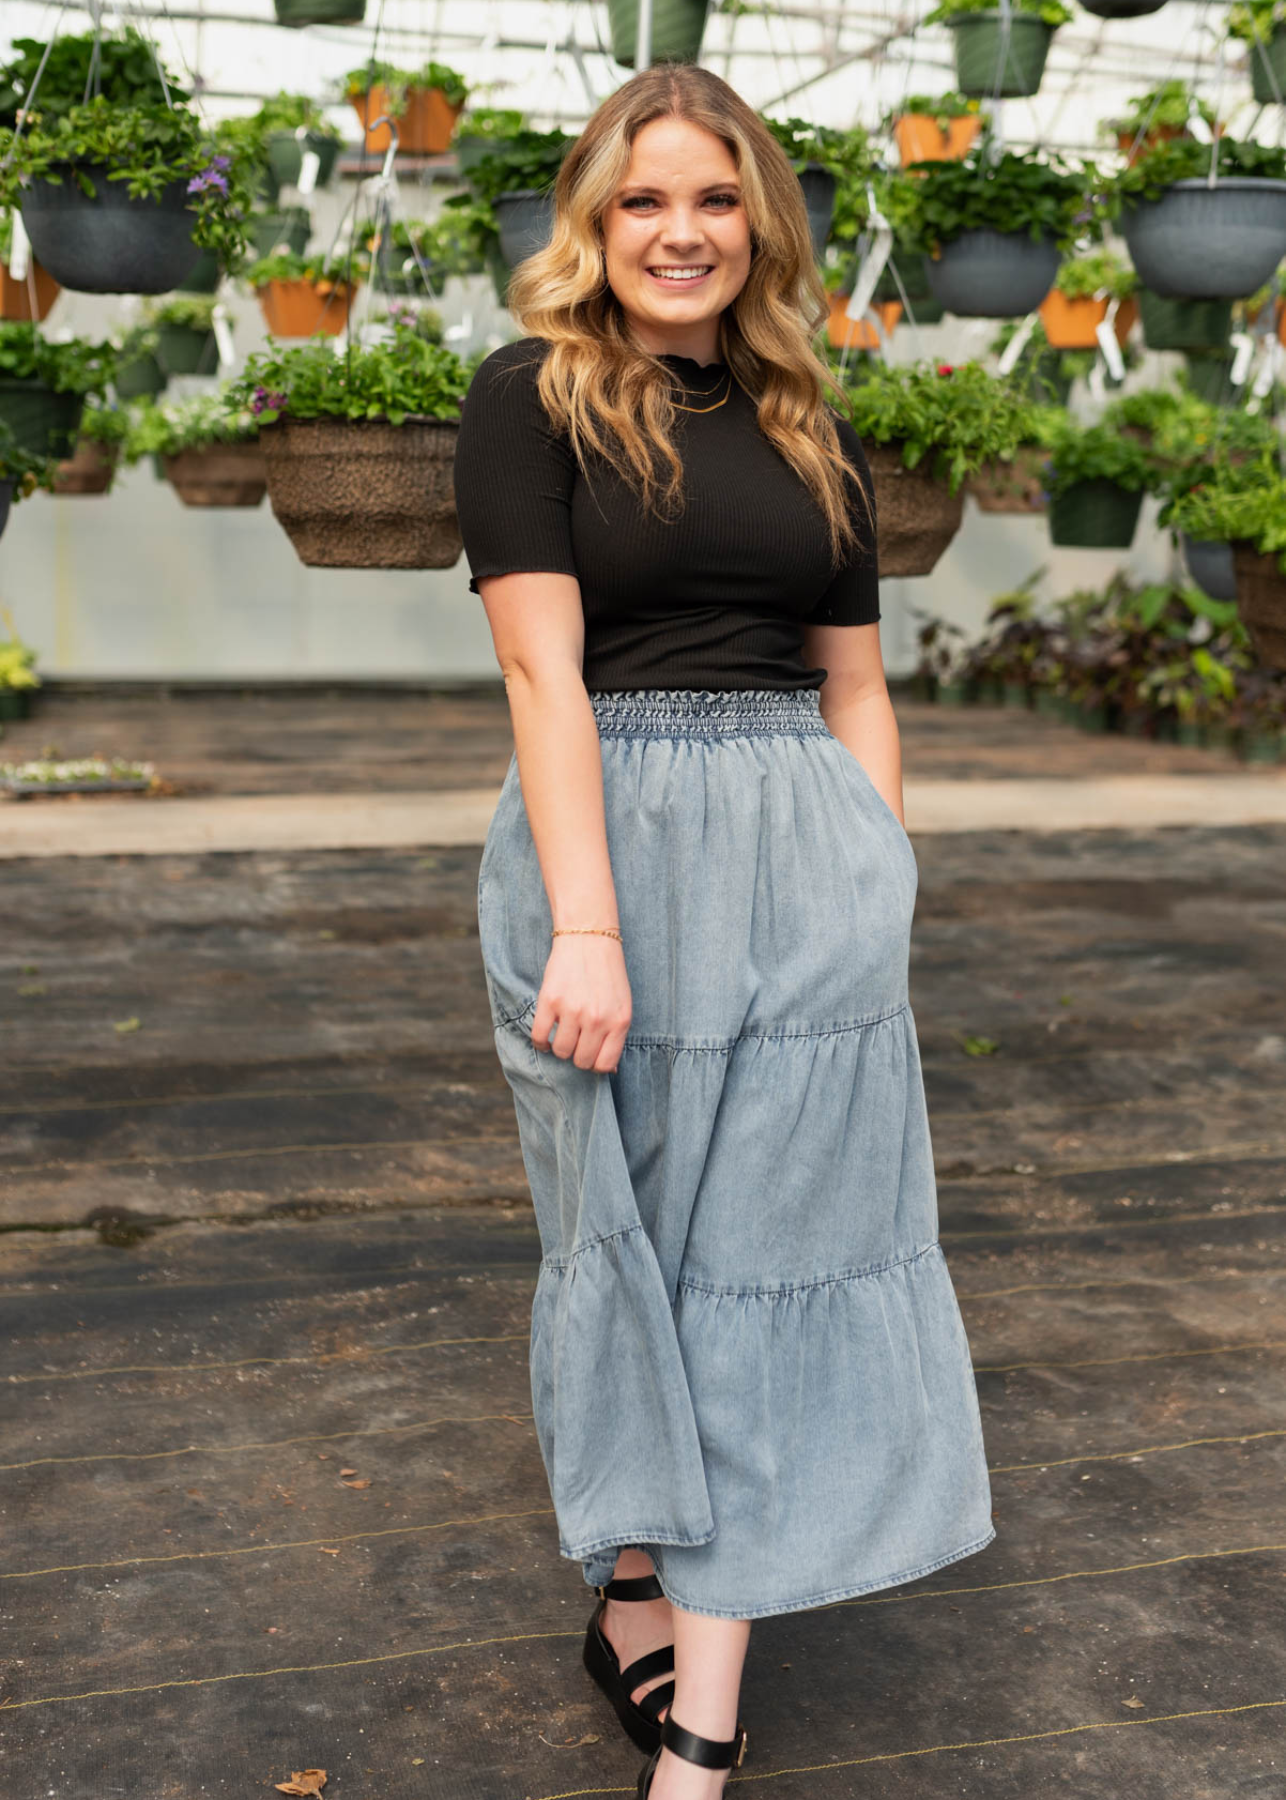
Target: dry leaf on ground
x=306, y=1782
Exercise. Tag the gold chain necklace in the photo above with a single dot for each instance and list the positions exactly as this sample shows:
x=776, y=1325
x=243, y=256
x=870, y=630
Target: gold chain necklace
x=706, y=409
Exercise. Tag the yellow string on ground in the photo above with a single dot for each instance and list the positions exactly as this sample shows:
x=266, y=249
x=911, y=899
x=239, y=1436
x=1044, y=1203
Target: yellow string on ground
x=1063, y=1462
x=1112, y=1362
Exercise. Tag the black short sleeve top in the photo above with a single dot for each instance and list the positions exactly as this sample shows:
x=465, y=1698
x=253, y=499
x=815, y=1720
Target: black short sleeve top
x=717, y=596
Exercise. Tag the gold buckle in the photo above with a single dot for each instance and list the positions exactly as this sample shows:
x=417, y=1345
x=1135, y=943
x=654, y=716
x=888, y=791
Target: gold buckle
x=742, y=1750
x=601, y=1592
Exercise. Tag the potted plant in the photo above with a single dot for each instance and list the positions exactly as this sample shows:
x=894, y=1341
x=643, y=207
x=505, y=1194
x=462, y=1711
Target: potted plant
x=1000, y=54
x=677, y=30
x=28, y=296
x=297, y=13
x=1191, y=239
x=830, y=164
x=1243, y=504
x=1078, y=302
x=1159, y=116
x=288, y=229
x=208, y=449
x=515, y=179
x=1096, y=479
x=91, y=468
x=925, y=428
x=855, y=334
x=481, y=127
x=137, y=373
x=184, y=327
x=1015, y=483
x=18, y=678
x=44, y=386
x=360, y=450
x=300, y=296
x=123, y=199
x=926, y=129
x=993, y=229
x=287, y=126
x=424, y=103
x=1122, y=9
x=1262, y=25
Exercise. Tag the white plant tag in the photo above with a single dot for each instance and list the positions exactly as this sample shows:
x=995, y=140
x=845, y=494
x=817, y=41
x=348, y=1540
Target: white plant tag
x=1095, y=383
x=223, y=337
x=1244, y=347
x=1016, y=345
x=1198, y=129
x=19, y=248
x=875, y=260
x=1111, y=350
x=309, y=169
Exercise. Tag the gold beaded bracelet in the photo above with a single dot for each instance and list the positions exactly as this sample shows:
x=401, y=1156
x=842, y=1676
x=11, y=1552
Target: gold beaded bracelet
x=597, y=930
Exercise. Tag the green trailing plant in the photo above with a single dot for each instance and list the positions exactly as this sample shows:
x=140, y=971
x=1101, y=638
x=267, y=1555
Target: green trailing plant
x=1161, y=164
x=125, y=74
x=409, y=377
x=941, y=108
x=219, y=418
x=1096, y=453
x=953, y=418
x=74, y=367
x=1168, y=106
x=1235, y=501
x=104, y=424
x=284, y=265
x=398, y=82
x=284, y=111
x=1051, y=12
x=147, y=148
x=1017, y=191
x=193, y=311
x=1085, y=277
x=528, y=159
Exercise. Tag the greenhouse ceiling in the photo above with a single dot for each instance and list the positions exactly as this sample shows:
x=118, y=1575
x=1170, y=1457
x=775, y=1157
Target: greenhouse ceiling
x=836, y=66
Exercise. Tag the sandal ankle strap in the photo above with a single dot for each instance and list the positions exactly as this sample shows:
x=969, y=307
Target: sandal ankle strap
x=709, y=1753
x=631, y=1587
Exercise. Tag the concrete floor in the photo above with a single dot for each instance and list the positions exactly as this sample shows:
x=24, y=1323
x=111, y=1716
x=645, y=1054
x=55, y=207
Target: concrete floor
x=266, y=1239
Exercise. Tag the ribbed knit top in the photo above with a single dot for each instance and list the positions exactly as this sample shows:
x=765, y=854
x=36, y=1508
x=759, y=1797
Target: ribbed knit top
x=717, y=596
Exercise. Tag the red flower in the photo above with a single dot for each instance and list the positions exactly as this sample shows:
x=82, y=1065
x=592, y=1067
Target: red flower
x=945, y=369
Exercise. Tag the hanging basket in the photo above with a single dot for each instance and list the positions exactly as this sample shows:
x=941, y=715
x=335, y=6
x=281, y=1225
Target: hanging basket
x=110, y=244
x=1184, y=324
x=218, y=475
x=320, y=12
x=185, y=350
x=1017, y=486
x=16, y=295
x=1208, y=376
x=818, y=183
x=980, y=46
x=286, y=230
x=918, y=516
x=42, y=421
x=677, y=29
x=1095, y=515
x=920, y=138
x=1198, y=242
x=993, y=274
x=90, y=469
x=286, y=158
x=300, y=309
x=142, y=377
x=364, y=494
x=1210, y=565
x=1268, y=68
x=424, y=126
x=860, y=334
x=525, y=220
x=1122, y=9
x=1261, y=602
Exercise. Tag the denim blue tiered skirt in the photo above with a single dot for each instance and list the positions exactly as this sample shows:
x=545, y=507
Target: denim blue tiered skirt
x=746, y=1353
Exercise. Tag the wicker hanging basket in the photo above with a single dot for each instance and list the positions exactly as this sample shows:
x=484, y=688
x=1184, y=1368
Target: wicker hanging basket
x=918, y=516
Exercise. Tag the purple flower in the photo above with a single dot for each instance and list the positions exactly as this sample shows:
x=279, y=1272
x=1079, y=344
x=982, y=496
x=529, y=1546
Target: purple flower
x=211, y=177
x=264, y=402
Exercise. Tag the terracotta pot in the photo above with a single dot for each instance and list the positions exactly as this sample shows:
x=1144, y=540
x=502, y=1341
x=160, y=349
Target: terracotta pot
x=424, y=127
x=1011, y=487
x=1281, y=321
x=860, y=334
x=15, y=296
x=90, y=469
x=300, y=309
x=1261, y=602
x=219, y=475
x=1071, y=324
x=918, y=517
x=364, y=494
x=1158, y=134
x=919, y=138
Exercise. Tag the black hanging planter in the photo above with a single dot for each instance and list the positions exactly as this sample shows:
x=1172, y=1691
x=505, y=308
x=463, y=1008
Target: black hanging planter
x=989, y=274
x=1095, y=515
x=40, y=420
x=1122, y=9
x=818, y=184
x=524, y=219
x=110, y=244
x=1197, y=242
x=1210, y=566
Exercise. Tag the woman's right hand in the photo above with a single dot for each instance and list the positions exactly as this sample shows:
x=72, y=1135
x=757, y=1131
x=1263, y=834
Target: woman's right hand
x=585, y=998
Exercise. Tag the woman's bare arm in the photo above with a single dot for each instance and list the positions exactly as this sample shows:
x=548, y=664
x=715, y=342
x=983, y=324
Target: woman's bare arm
x=855, y=704
x=538, y=629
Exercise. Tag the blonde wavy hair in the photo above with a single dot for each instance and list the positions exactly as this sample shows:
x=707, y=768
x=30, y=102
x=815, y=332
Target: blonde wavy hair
x=595, y=375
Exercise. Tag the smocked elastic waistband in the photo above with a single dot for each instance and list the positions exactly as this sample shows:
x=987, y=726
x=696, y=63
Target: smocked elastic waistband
x=707, y=712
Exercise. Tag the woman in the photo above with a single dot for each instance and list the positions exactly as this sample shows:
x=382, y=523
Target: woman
x=750, y=1380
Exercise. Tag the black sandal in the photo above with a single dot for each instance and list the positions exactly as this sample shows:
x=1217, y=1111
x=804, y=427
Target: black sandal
x=710, y=1753
x=638, y=1717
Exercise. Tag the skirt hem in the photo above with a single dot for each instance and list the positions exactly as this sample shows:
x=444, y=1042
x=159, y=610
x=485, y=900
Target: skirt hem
x=831, y=1595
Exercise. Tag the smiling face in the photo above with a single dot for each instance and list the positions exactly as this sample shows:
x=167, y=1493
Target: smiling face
x=678, y=208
